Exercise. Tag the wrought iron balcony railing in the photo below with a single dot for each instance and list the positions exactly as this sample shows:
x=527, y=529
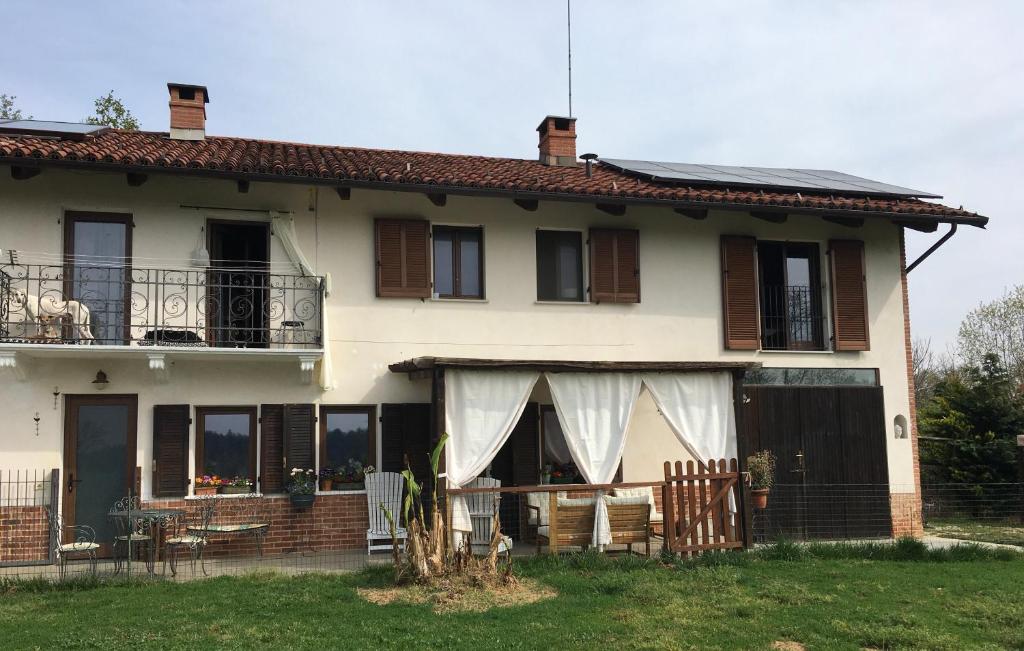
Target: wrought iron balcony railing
x=791, y=318
x=120, y=305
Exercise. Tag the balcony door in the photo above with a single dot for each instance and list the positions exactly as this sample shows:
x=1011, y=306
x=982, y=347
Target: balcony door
x=237, y=307
x=97, y=273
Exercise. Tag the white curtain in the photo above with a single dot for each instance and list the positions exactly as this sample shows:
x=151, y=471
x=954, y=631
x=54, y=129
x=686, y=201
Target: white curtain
x=480, y=410
x=283, y=226
x=699, y=409
x=594, y=410
x=554, y=443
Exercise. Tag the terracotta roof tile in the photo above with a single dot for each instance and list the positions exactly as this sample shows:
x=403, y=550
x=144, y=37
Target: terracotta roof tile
x=262, y=158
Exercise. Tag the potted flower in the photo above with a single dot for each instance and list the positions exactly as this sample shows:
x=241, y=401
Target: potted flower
x=563, y=473
x=351, y=476
x=206, y=485
x=761, y=470
x=236, y=486
x=545, y=474
x=327, y=479
x=302, y=487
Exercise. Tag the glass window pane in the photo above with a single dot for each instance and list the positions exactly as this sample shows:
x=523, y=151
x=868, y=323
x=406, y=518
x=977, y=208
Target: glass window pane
x=98, y=278
x=469, y=263
x=226, y=441
x=102, y=441
x=444, y=283
x=559, y=266
x=813, y=376
x=347, y=439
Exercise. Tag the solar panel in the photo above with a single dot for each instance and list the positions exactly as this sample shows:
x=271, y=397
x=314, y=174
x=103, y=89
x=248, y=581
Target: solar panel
x=768, y=178
x=70, y=130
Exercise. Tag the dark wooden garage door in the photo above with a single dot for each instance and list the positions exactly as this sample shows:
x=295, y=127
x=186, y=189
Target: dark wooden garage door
x=832, y=476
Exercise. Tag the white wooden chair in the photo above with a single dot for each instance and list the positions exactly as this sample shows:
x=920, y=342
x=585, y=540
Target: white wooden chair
x=482, y=507
x=384, y=489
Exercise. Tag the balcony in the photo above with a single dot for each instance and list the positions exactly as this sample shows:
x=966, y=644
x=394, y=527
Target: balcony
x=222, y=311
x=791, y=318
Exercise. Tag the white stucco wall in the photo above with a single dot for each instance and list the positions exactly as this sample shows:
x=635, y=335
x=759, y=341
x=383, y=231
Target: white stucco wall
x=679, y=317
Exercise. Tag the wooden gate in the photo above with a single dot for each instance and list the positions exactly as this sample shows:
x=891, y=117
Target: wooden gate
x=697, y=507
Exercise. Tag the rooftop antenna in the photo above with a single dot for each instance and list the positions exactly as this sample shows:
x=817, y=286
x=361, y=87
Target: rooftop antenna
x=568, y=23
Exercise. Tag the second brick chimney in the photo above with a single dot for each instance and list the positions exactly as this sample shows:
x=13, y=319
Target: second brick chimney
x=557, y=141
x=188, y=111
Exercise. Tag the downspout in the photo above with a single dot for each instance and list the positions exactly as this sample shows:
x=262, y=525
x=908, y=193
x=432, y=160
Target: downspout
x=933, y=248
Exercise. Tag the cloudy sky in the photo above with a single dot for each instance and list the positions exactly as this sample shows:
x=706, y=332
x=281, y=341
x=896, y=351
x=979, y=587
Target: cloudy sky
x=922, y=94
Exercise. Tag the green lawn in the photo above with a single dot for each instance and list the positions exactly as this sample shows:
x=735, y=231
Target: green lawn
x=1004, y=533
x=825, y=597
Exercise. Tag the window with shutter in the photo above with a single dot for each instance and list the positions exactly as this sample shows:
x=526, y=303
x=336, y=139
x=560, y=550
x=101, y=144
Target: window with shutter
x=849, y=295
x=614, y=266
x=347, y=434
x=272, y=474
x=403, y=258
x=739, y=292
x=170, y=450
x=525, y=439
x=299, y=437
x=405, y=439
x=226, y=443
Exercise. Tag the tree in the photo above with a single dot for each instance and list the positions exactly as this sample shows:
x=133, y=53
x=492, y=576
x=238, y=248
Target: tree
x=111, y=112
x=996, y=327
x=969, y=428
x=7, y=109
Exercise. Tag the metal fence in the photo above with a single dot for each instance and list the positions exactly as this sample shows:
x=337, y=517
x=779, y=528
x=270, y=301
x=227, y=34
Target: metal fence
x=791, y=318
x=122, y=305
x=182, y=539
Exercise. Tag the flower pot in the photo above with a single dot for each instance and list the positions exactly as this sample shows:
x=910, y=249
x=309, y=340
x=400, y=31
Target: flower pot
x=350, y=486
x=326, y=484
x=235, y=490
x=205, y=490
x=759, y=498
x=302, y=500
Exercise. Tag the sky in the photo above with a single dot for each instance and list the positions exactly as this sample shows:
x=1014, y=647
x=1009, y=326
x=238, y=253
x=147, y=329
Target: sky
x=927, y=95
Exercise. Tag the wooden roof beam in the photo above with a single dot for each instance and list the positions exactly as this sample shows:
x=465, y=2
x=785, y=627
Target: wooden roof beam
x=344, y=193
x=922, y=226
x=613, y=209
x=527, y=204
x=136, y=179
x=19, y=173
x=769, y=216
x=693, y=213
x=243, y=187
x=439, y=199
x=849, y=222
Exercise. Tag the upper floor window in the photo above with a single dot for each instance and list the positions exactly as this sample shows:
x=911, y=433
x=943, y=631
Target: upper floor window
x=559, y=266
x=458, y=262
x=789, y=277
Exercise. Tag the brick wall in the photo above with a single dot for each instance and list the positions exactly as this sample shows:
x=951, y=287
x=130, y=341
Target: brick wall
x=24, y=534
x=336, y=522
x=906, y=507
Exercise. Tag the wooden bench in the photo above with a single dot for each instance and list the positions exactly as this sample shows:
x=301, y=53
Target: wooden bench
x=571, y=522
x=244, y=519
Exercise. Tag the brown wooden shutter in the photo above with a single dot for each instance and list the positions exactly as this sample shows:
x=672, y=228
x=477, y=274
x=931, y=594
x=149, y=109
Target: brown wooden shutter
x=403, y=258
x=272, y=474
x=299, y=437
x=525, y=440
x=739, y=292
x=849, y=295
x=614, y=266
x=170, y=450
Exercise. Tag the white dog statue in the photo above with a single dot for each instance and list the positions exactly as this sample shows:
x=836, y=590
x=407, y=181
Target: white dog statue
x=41, y=310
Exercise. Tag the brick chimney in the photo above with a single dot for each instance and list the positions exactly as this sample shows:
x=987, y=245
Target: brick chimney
x=188, y=111
x=557, y=141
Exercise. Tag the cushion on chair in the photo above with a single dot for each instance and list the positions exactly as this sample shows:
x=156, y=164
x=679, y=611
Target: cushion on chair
x=136, y=537
x=185, y=540
x=79, y=547
x=576, y=501
x=542, y=530
x=542, y=501
x=644, y=491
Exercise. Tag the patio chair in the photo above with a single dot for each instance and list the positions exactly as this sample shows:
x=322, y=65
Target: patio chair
x=629, y=519
x=129, y=534
x=656, y=517
x=83, y=542
x=482, y=507
x=384, y=491
x=570, y=523
x=191, y=536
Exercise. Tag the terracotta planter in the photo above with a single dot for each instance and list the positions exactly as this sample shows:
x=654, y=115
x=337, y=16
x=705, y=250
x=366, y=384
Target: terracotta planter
x=301, y=500
x=326, y=484
x=350, y=486
x=759, y=498
x=205, y=490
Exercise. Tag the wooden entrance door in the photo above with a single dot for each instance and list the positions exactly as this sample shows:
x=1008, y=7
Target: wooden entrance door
x=832, y=477
x=99, y=459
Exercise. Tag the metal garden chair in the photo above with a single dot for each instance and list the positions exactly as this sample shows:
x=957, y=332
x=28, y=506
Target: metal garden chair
x=130, y=533
x=190, y=535
x=83, y=542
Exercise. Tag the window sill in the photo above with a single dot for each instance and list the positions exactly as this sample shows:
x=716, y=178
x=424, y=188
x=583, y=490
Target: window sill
x=327, y=493
x=796, y=352
x=222, y=496
x=458, y=300
x=563, y=303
